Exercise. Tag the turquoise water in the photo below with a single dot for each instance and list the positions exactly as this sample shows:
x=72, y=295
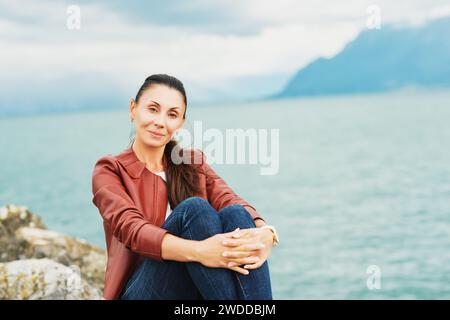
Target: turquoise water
x=363, y=180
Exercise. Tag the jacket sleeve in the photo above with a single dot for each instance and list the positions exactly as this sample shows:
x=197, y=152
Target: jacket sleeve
x=120, y=213
x=220, y=194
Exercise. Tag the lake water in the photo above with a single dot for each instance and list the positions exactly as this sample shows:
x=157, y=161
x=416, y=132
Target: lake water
x=363, y=180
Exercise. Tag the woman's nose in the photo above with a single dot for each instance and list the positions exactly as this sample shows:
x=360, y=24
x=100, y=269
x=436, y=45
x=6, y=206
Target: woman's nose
x=160, y=121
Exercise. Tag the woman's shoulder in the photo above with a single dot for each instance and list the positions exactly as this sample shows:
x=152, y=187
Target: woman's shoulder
x=106, y=159
x=112, y=160
x=107, y=162
x=125, y=156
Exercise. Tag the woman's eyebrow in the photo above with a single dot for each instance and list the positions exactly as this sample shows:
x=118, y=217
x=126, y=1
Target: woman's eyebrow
x=160, y=105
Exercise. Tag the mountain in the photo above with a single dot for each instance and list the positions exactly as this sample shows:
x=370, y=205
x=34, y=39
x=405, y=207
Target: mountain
x=380, y=60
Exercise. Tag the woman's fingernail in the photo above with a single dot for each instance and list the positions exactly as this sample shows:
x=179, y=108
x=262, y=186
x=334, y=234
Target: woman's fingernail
x=231, y=264
x=225, y=254
x=225, y=242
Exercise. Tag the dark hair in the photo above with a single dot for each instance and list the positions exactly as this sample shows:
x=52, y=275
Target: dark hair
x=166, y=80
x=182, y=179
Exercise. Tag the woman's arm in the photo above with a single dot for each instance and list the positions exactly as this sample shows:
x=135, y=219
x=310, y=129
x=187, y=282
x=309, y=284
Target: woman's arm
x=208, y=252
x=179, y=249
x=120, y=213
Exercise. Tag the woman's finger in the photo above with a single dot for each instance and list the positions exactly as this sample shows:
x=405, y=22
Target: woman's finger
x=249, y=247
x=243, y=261
x=240, y=270
x=231, y=233
x=236, y=254
x=234, y=242
x=241, y=233
x=253, y=266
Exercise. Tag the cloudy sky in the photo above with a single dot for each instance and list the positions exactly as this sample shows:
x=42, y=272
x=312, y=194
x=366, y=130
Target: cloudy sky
x=220, y=49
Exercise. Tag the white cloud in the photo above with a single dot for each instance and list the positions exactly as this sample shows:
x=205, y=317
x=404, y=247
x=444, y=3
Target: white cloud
x=288, y=34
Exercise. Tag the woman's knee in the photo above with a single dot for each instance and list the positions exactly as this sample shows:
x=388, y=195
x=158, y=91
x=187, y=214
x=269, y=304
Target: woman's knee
x=194, y=201
x=236, y=213
x=193, y=207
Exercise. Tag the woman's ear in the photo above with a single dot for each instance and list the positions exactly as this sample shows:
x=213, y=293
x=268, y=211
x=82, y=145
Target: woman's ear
x=132, y=109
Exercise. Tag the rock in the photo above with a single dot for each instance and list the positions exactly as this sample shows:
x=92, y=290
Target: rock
x=43, y=279
x=40, y=243
x=11, y=218
x=23, y=235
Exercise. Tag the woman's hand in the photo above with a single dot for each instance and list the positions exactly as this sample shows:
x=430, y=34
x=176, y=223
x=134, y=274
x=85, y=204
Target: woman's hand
x=210, y=252
x=249, y=243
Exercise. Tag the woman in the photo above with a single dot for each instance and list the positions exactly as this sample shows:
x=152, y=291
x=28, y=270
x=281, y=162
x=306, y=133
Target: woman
x=212, y=245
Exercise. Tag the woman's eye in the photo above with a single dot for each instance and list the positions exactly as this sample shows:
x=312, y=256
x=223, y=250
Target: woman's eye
x=152, y=109
x=173, y=115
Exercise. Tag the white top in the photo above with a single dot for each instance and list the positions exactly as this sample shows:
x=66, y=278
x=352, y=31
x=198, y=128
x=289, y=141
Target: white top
x=162, y=174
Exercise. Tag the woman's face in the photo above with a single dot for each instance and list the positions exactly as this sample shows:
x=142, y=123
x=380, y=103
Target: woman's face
x=157, y=115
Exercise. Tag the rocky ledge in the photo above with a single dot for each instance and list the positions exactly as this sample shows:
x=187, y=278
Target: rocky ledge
x=37, y=263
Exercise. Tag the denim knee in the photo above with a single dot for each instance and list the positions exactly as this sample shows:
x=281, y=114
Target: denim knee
x=235, y=212
x=194, y=201
x=193, y=218
x=197, y=205
x=191, y=207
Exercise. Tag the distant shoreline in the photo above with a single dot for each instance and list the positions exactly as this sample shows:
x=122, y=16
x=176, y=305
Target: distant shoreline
x=392, y=93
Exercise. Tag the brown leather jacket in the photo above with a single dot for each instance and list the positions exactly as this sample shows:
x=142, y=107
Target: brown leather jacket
x=133, y=201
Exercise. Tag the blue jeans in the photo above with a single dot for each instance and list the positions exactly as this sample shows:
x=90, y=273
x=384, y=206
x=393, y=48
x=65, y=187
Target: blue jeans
x=195, y=219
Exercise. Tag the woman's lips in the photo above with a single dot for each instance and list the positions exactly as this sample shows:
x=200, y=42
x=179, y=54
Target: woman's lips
x=156, y=134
